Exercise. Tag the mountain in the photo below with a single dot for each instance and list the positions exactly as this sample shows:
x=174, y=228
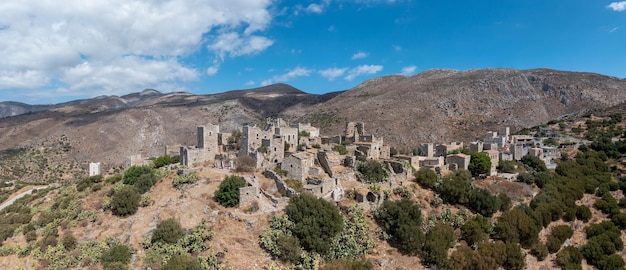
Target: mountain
x=447, y=105
x=433, y=106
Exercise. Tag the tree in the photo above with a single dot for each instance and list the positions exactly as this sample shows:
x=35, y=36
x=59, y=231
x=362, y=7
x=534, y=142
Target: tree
x=402, y=220
x=480, y=163
x=125, y=201
x=315, y=221
x=534, y=163
x=455, y=188
x=167, y=231
x=165, y=160
x=473, y=233
x=227, y=193
x=481, y=201
x=426, y=177
x=518, y=226
x=436, y=244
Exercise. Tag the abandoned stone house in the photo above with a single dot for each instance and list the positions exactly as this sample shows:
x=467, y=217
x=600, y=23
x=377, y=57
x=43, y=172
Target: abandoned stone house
x=95, y=168
x=268, y=146
x=494, y=156
x=298, y=165
x=208, y=146
x=442, y=149
x=458, y=161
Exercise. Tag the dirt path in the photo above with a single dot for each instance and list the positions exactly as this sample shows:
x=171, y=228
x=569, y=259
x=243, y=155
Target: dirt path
x=23, y=192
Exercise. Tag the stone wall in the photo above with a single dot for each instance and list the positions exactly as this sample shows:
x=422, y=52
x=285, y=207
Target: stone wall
x=280, y=183
x=248, y=194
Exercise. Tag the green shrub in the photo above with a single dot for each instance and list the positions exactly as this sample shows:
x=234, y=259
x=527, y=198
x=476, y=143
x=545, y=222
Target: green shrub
x=295, y=184
x=583, y=213
x=69, y=241
x=145, y=182
x=165, y=160
x=341, y=149
x=540, y=251
x=402, y=220
x=116, y=254
x=569, y=255
x=183, y=179
x=316, y=221
x=125, y=201
x=167, y=231
x=372, y=171
x=436, y=244
x=480, y=163
x=426, y=177
x=133, y=173
x=289, y=247
x=227, y=193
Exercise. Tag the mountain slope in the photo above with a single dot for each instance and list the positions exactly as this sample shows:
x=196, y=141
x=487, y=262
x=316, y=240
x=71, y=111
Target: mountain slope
x=433, y=106
x=445, y=105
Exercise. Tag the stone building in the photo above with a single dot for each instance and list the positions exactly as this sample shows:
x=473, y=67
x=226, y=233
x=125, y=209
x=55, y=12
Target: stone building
x=95, y=168
x=458, y=161
x=494, y=156
x=207, y=148
x=298, y=165
x=442, y=149
x=426, y=149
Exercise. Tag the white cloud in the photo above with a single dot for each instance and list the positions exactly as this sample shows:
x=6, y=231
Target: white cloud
x=294, y=73
x=618, y=6
x=315, y=8
x=363, y=70
x=359, y=55
x=614, y=29
x=212, y=70
x=397, y=48
x=408, y=71
x=332, y=73
x=250, y=83
x=82, y=47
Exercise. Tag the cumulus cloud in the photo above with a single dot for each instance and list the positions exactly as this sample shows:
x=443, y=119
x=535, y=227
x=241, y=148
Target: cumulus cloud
x=291, y=74
x=618, y=6
x=408, y=71
x=212, y=70
x=116, y=46
x=315, y=8
x=332, y=73
x=363, y=70
x=359, y=55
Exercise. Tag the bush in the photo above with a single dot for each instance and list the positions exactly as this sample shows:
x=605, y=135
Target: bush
x=372, y=171
x=295, y=184
x=480, y=163
x=569, y=255
x=183, y=179
x=227, y=193
x=167, y=231
x=165, y=160
x=69, y=241
x=125, y=201
x=133, y=173
x=436, y=244
x=473, y=233
x=583, y=213
x=402, y=220
x=117, y=254
x=145, y=182
x=315, y=221
x=341, y=149
x=289, y=247
x=426, y=177
x=540, y=251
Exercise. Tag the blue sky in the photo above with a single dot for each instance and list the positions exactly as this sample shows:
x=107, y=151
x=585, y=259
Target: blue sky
x=83, y=49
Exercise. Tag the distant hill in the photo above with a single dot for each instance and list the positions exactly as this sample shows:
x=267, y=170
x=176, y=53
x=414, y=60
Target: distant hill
x=433, y=106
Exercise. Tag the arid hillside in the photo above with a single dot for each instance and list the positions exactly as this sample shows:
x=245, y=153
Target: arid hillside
x=433, y=106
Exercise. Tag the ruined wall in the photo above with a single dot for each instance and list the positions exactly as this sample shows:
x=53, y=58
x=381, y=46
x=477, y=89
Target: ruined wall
x=322, y=158
x=280, y=183
x=248, y=194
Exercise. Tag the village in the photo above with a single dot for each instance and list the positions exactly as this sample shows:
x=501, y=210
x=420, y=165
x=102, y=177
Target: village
x=298, y=159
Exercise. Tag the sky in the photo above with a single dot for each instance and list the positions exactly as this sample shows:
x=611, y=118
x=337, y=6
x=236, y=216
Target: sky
x=55, y=51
